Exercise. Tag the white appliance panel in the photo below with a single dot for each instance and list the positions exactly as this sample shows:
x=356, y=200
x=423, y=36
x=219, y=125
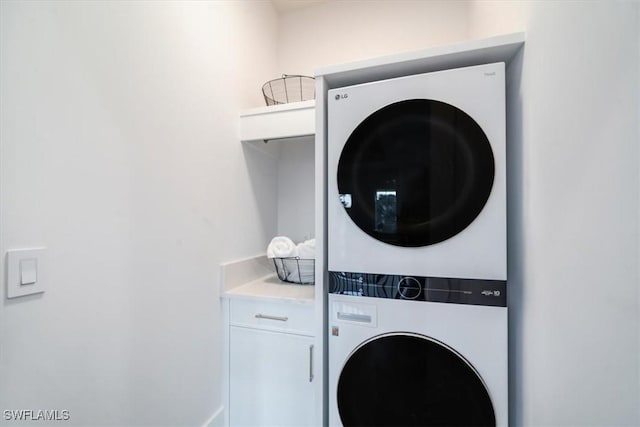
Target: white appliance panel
x=478, y=251
x=477, y=333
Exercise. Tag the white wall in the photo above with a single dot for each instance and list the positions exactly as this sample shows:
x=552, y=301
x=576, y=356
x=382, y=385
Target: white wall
x=575, y=301
x=489, y=18
x=119, y=153
x=574, y=190
x=348, y=30
x=296, y=186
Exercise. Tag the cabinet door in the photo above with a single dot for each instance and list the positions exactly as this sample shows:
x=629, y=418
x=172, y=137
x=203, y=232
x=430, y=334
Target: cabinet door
x=271, y=381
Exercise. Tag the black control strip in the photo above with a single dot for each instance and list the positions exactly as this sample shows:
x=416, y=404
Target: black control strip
x=416, y=288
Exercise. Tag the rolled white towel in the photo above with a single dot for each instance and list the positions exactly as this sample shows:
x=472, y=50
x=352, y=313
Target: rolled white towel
x=281, y=247
x=302, y=274
x=307, y=249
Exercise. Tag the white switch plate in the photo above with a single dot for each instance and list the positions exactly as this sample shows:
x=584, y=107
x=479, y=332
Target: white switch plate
x=25, y=266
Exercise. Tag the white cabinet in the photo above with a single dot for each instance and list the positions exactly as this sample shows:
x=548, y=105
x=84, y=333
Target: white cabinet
x=272, y=377
x=271, y=383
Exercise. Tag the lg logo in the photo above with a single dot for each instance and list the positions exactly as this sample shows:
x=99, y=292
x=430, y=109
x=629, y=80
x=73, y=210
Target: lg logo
x=341, y=96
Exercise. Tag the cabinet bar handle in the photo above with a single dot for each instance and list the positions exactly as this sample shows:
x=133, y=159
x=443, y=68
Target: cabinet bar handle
x=311, y=363
x=353, y=317
x=266, y=316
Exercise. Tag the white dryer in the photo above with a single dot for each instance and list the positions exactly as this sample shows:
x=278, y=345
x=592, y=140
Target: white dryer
x=394, y=362
x=417, y=175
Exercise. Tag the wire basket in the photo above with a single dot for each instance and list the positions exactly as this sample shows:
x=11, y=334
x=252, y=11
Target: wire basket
x=296, y=270
x=289, y=88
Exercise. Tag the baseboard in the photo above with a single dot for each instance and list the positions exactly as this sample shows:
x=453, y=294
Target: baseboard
x=217, y=419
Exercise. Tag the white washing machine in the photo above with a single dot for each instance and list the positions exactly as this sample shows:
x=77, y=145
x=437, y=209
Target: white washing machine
x=417, y=175
x=439, y=360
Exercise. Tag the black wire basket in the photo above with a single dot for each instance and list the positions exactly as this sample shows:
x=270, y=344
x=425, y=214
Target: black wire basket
x=296, y=270
x=289, y=88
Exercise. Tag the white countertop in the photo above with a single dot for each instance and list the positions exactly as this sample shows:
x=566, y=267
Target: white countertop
x=270, y=287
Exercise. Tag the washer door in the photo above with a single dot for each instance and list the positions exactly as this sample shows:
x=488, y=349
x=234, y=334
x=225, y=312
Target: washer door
x=411, y=380
x=415, y=172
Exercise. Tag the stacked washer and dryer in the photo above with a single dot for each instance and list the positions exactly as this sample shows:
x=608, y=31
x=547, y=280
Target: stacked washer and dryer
x=417, y=309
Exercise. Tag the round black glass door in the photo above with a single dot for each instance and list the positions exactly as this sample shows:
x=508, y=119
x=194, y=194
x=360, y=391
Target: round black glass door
x=415, y=172
x=410, y=380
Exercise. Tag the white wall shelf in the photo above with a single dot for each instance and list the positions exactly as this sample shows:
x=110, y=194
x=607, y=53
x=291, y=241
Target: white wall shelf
x=279, y=121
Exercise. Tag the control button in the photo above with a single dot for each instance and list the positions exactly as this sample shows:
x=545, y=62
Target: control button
x=409, y=288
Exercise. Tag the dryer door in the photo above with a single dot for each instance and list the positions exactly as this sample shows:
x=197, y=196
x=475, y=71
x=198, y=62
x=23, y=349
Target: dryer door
x=411, y=380
x=415, y=172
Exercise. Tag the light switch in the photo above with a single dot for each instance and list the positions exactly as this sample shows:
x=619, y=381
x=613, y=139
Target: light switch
x=26, y=272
